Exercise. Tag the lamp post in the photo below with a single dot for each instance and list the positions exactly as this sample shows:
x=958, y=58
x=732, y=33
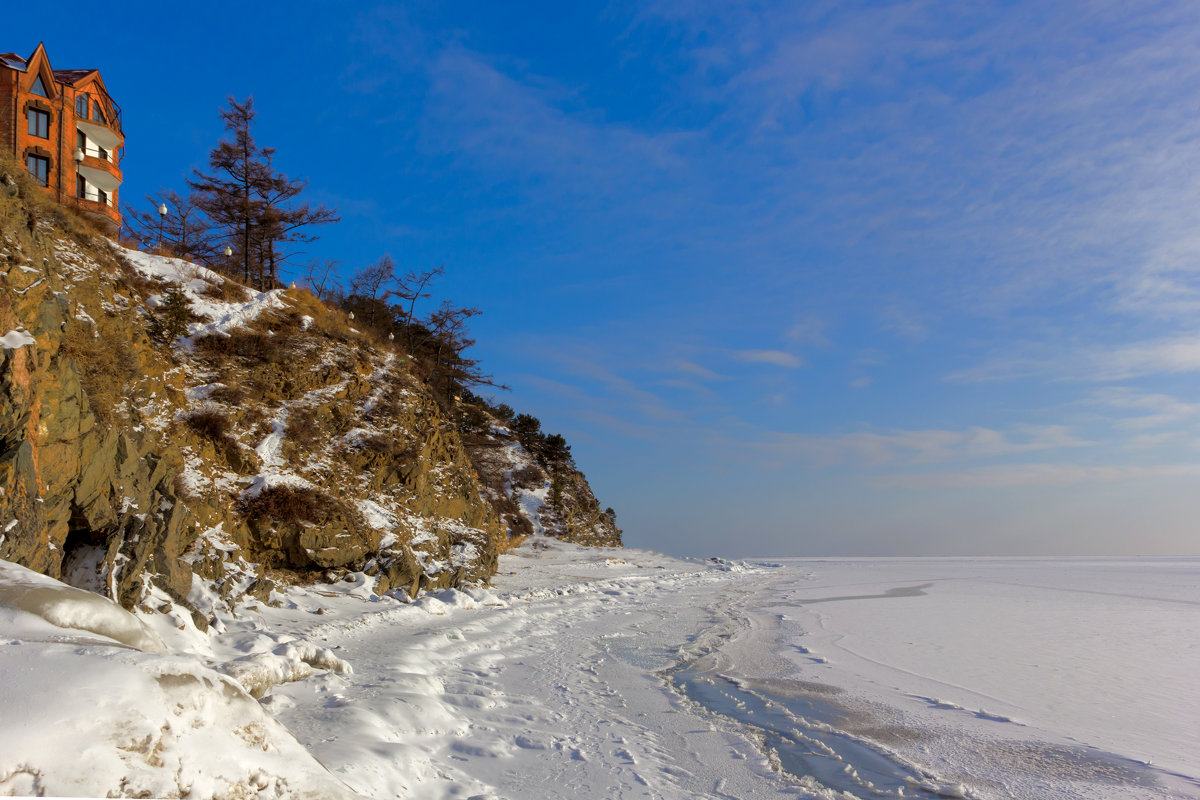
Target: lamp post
x=79, y=160
x=162, y=217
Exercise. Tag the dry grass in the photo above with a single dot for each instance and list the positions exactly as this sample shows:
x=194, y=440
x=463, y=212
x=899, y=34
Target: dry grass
x=272, y=338
x=300, y=505
x=250, y=344
x=528, y=475
x=254, y=416
x=183, y=490
x=227, y=291
x=106, y=361
x=303, y=429
x=378, y=443
x=209, y=423
x=388, y=445
x=229, y=395
x=512, y=541
x=134, y=282
x=327, y=322
x=35, y=201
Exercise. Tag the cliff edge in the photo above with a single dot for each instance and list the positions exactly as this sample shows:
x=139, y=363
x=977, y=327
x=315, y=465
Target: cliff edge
x=161, y=423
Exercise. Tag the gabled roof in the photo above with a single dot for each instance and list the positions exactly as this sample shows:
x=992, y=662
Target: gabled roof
x=72, y=76
x=13, y=61
x=39, y=62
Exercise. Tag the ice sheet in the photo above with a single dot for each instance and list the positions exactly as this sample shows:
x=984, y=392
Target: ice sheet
x=1091, y=656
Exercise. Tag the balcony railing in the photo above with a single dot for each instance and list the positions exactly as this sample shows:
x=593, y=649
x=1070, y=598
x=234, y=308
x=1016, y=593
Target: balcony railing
x=95, y=196
x=112, y=112
x=93, y=151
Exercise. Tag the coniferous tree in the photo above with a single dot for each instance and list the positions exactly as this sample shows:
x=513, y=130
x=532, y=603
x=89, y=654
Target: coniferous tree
x=229, y=196
x=170, y=319
x=285, y=221
x=556, y=452
x=252, y=203
x=528, y=430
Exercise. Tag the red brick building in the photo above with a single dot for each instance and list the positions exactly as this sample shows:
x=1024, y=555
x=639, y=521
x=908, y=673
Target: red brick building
x=66, y=129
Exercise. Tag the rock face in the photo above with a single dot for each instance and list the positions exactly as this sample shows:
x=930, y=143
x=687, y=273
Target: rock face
x=531, y=497
x=275, y=443
x=75, y=492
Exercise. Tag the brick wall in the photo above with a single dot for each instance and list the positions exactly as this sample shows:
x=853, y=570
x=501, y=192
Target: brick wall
x=7, y=82
x=60, y=145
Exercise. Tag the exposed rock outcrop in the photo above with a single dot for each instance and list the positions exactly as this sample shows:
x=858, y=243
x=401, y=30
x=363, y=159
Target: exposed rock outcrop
x=533, y=497
x=274, y=443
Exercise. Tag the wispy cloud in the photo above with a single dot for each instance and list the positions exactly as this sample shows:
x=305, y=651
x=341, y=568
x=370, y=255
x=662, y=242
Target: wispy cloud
x=1158, y=410
x=903, y=323
x=810, y=330
x=918, y=446
x=1040, y=475
x=695, y=370
x=777, y=358
x=523, y=125
x=1169, y=355
x=1010, y=150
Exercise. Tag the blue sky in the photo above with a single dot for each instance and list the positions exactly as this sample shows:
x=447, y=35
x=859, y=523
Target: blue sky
x=808, y=278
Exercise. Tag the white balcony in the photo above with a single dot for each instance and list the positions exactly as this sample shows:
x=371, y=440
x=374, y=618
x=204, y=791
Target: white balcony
x=91, y=193
x=93, y=151
x=99, y=178
x=104, y=136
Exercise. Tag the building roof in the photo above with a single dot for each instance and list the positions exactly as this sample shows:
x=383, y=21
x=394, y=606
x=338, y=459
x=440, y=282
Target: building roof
x=13, y=61
x=71, y=76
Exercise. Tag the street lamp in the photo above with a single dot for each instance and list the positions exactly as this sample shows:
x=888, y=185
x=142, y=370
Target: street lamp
x=162, y=217
x=78, y=161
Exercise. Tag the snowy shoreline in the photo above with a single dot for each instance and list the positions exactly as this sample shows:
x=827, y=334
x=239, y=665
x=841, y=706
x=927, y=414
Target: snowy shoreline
x=607, y=673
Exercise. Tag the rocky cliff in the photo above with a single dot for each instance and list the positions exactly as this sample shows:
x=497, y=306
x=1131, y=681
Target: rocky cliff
x=532, y=495
x=265, y=441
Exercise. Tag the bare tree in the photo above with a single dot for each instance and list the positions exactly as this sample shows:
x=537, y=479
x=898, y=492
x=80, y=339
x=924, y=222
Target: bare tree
x=320, y=276
x=184, y=229
x=372, y=287
x=412, y=288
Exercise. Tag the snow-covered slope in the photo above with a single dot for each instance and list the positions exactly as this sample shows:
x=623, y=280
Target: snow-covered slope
x=95, y=705
x=586, y=672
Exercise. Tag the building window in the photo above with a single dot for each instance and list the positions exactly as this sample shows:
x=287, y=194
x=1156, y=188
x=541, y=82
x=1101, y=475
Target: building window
x=39, y=168
x=81, y=106
x=39, y=88
x=39, y=123
x=98, y=112
x=80, y=187
x=101, y=196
